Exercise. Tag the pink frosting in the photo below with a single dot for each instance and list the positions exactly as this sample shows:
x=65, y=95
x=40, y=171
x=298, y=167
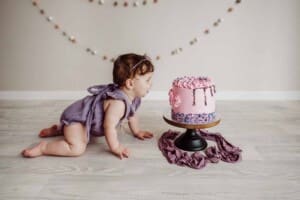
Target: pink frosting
x=175, y=100
x=192, y=95
x=192, y=82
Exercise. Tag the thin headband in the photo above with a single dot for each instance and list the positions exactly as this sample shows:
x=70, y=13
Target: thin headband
x=146, y=58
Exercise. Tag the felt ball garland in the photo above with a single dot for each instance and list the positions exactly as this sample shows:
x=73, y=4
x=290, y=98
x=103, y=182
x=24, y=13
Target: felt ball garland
x=104, y=56
x=123, y=3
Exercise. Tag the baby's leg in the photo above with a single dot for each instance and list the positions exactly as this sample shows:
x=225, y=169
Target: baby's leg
x=74, y=143
x=50, y=132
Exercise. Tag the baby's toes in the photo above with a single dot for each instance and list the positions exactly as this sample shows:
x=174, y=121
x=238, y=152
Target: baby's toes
x=26, y=153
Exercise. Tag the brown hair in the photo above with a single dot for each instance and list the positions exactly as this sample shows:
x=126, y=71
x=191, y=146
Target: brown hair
x=129, y=65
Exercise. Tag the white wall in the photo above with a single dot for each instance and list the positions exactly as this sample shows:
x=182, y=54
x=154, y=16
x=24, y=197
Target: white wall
x=256, y=48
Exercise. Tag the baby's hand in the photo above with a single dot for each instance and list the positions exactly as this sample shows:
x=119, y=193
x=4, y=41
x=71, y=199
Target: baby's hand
x=143, y=135
x=121, y=152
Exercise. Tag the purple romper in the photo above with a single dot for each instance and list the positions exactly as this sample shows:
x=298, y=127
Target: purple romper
x=89, y=110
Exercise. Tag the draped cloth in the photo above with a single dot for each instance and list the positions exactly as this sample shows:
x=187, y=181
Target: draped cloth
x=223, y=150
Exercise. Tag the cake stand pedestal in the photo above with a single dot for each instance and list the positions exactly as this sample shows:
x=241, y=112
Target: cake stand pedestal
x=190, y=140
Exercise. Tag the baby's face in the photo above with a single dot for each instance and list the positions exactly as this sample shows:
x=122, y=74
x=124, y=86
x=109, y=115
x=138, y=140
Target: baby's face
x=142, y=84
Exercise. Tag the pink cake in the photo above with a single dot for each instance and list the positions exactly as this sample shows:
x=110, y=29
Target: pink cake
x=192, y=100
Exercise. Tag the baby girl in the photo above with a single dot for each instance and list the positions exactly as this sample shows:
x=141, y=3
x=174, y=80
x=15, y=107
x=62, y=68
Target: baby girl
x=101, y=112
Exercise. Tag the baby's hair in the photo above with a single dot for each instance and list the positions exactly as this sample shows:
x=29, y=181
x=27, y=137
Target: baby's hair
x=129, y=65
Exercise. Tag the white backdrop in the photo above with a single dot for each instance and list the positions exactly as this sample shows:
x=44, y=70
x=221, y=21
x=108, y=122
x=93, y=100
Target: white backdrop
x=255, y=49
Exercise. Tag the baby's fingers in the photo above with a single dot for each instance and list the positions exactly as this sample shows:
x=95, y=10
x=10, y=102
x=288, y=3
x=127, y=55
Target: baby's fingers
x=141, y=137
x=125, y=153
x=148, y=135
x=119, y=154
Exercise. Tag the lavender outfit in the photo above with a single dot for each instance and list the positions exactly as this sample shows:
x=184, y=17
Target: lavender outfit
x=90, y=112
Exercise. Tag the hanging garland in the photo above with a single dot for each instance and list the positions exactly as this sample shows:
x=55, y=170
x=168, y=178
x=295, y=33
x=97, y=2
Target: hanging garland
x=125, y=4
x=104, y=56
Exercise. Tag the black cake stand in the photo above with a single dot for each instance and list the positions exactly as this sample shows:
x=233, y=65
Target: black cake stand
x=190, y=140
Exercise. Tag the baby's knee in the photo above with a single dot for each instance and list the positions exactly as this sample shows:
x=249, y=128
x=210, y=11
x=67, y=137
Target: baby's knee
x=77, y=149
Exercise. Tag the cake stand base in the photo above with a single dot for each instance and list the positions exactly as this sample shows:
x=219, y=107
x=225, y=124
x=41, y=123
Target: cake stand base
x=190, y=141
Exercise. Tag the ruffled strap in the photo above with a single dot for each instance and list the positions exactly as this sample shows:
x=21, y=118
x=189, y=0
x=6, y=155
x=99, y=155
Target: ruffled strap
x=130, y=107
x=98, y=89
x=120, y=96
x=134, y=106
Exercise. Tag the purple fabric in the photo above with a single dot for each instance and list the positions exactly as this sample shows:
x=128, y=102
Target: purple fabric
x=89, y=110
x=223, y=151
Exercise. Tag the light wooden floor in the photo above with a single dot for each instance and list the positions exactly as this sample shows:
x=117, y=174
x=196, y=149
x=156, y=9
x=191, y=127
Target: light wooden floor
x=267, y=131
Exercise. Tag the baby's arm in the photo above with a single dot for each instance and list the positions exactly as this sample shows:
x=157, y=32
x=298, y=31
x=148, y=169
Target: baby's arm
x=113, y=114
x=133, y=125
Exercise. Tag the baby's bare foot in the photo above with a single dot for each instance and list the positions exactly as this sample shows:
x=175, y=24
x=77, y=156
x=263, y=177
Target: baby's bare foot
x=35, y=151
x=50, y=132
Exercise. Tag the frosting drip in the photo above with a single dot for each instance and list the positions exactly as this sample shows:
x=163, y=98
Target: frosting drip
x=194, y=83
